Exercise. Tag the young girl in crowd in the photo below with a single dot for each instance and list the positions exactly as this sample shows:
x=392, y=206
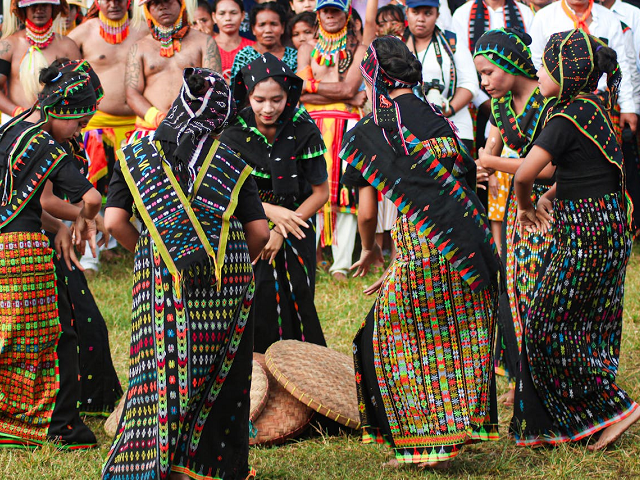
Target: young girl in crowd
x=203, y=18
x=300, y=6
x=441, y=287
x=566, y=390
x=96, y=385
x=302, y=29
x=39, y=362
x=285, y=149
x=390, y=21
x=228, y=15
x=503, y=60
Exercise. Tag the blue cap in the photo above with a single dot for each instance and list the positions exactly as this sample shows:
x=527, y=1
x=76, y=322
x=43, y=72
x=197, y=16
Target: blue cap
x=339, y=4
x=422, y=3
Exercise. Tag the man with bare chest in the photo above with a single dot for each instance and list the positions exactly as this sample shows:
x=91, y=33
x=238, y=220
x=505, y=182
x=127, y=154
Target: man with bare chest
x=331, y=70
x=23, y=53
x=153, y=76
x=104, y=41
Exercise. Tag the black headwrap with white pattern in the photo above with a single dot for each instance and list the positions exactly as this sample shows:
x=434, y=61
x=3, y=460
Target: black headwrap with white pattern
x=194, y=116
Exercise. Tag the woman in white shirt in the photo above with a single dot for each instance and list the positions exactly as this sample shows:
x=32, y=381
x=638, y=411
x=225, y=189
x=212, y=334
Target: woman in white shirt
x=449, y=78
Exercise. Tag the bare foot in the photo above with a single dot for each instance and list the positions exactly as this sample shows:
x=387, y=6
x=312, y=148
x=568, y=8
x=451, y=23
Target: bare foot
x=437, y=465
x=109, y=255
x=90, y=273
x=508, y=397
x=615, y=431
x=339, y=277
x=393, y=463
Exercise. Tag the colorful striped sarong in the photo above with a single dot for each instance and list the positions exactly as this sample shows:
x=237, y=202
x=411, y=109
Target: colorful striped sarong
x=424, y=370
x=566, y=389
x=29, y=332
x=334, y=120
x=102, y=138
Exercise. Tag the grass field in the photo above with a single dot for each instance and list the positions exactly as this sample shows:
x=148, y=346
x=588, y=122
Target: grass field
x=320, y=456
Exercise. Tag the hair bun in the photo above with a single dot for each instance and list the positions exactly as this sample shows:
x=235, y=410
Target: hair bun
x=415, y=65
x=397, y=60
x=605, y=59
x=197, y=83
x=49, y=75
x=521, y=34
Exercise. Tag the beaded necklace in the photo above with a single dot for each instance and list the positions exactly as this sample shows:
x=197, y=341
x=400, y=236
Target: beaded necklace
x=331, y=47
x=40, y=37
x=170, y=38
x=113, y=31
x=518, y=130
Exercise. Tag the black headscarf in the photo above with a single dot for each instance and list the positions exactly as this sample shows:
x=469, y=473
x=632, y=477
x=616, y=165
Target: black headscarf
x=75, y=97
x=283, y=152
x=569, y=61
x=507, y=48
x=385, y=112
x=193, y=116
x=72, y=96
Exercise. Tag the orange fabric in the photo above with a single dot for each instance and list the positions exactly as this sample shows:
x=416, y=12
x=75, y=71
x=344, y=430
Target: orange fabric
x=578, y=22
x=306, y=73
x=94, y=147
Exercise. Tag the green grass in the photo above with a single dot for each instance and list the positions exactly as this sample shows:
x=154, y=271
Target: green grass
x=319, y=456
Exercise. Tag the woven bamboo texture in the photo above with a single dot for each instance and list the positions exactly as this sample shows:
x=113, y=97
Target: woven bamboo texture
x=319, y=377
x=283, y=417
x=259, y=391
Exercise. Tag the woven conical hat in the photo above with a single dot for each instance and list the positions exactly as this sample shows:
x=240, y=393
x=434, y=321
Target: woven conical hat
x=319, y=377
x=259, y=391
x=283, y=417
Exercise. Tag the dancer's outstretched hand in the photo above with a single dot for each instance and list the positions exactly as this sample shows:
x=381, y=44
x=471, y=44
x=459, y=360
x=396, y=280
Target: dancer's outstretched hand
x=367, y=258
x=102, y=229
x=84, y=230
x=64, y=248
x=272, y=247
x=482, y=176
x=286, y=221
x=375, y=286
x=544, y=210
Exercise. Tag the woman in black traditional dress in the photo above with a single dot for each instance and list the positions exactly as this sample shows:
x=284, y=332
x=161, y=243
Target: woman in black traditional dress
x=39, y=356
x=98, y=388
x=518, y=111
x=286, y=151
x=186, y=412
x=424, y=367
x=566, y=389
